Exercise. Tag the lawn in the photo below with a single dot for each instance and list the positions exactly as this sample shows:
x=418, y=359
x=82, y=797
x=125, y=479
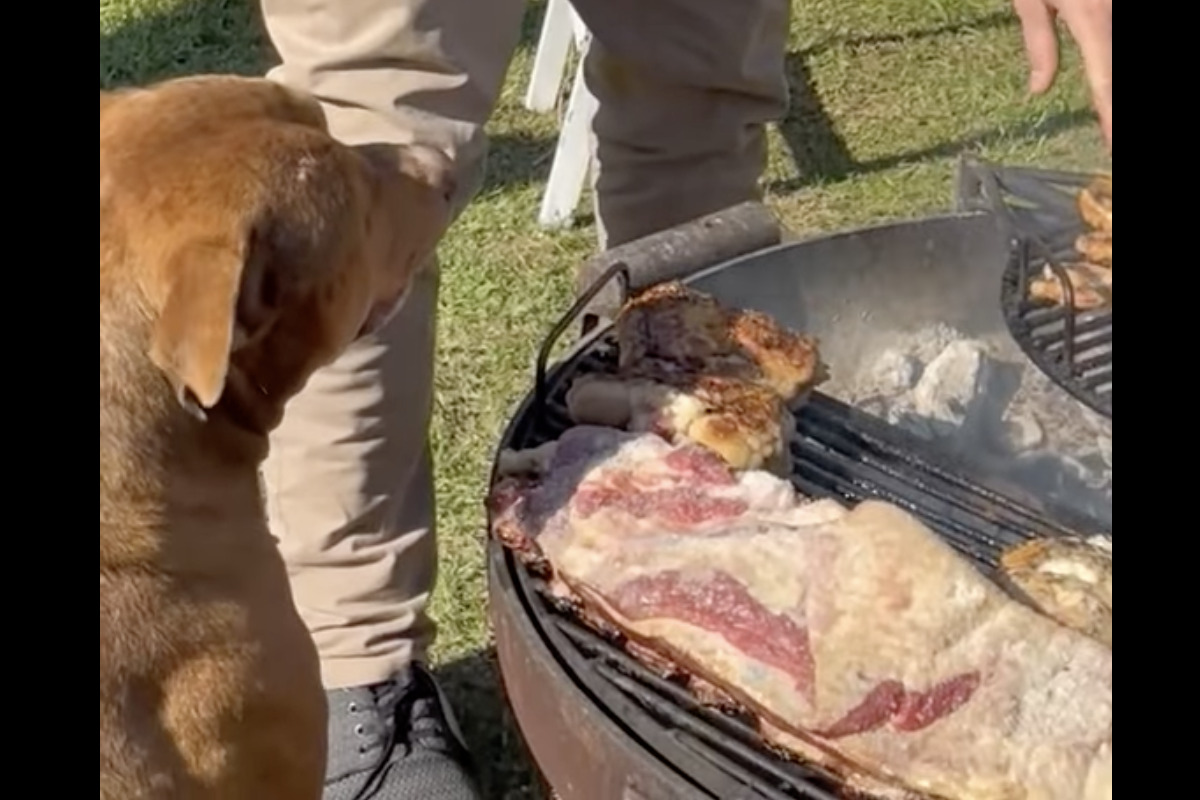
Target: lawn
x=886, y=95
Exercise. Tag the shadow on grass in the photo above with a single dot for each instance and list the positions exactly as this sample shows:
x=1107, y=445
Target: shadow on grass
x=473, y=686
x=818, y=152
x=518, y=159
x=820, y=155
x=192, y=37
x=986, y=22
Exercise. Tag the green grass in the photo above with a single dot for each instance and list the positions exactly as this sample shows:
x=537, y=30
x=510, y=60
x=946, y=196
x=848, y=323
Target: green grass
x=887, y=93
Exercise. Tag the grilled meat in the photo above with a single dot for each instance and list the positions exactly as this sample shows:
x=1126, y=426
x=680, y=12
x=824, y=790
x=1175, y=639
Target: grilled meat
x=1091, y=279
x=690, y=369
x=1068, y=580
x=745, y=423
x=670, y=332
x=1096, y=248
x=1091, y=286
x=1094, y=202
x=858, y=638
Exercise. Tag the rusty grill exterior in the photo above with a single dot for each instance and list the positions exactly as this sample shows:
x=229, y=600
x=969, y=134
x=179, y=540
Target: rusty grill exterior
x=601, y=725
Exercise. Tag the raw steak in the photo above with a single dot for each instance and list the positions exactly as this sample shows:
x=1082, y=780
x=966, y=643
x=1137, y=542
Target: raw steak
x=858, y=637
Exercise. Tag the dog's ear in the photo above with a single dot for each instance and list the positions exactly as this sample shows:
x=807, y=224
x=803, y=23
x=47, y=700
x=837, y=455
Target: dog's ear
x=220, y=294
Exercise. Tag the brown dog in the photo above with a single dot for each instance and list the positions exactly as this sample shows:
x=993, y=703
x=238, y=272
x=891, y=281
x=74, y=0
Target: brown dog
x=241, y=248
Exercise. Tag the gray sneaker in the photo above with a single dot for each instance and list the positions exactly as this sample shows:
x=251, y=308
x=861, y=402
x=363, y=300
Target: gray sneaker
x=396, y=740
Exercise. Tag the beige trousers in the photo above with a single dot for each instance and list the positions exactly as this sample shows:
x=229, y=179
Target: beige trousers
x=685, y=88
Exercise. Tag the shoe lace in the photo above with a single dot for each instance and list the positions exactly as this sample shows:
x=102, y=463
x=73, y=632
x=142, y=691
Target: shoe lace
x=380, y=734
x=410, y=717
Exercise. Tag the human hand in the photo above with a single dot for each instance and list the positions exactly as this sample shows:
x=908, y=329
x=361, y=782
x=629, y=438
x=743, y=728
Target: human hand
x=1090, y=24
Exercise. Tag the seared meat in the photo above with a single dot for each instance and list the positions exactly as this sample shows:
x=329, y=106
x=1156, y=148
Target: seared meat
x=745, y=423
x=1091, y=285
x=1068, y=580
x=670, y=332
x=1092, y=278
x=1096, y=248
x=690, y=369
x=1094, y=202
x=858, y=638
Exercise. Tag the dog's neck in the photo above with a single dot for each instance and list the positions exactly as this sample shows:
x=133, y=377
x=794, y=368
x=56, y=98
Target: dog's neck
x=166, y=477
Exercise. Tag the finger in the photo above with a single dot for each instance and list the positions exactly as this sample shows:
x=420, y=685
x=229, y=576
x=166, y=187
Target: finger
x=1041, y=42
x=1093, y=34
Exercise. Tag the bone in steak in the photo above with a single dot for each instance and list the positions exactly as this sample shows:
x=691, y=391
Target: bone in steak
x=692, y=370
x=856, y=636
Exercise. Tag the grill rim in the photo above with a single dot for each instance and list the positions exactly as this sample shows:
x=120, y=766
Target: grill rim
x=629, y=715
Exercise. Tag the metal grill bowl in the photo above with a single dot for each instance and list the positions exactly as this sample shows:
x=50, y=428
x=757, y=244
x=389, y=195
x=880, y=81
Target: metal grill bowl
x=598, y=723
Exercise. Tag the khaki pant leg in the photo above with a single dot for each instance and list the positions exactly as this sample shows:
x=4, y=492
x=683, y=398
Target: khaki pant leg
x=685, y=90
x=348, y=479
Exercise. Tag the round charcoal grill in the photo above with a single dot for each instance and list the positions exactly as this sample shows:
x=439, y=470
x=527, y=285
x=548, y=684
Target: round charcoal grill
x=1037, y=210
x=601, y=725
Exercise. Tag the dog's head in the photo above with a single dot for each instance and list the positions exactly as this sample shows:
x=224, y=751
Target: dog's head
x=262, y=246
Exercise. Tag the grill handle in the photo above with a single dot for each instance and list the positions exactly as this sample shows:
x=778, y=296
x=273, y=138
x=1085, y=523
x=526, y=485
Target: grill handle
x=618, y=270
x=675, y=253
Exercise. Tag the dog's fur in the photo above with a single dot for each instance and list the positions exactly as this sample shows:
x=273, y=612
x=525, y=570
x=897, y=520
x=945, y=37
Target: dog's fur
x=241, y=248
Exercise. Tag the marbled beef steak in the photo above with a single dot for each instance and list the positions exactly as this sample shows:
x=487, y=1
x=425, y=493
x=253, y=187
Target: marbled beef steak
x=858, y=637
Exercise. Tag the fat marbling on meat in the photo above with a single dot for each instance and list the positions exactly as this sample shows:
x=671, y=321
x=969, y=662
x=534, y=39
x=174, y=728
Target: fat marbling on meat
x=857, y=637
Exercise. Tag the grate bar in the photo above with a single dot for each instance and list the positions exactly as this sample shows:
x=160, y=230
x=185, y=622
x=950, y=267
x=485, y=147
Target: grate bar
x=1038, y=210
x=679, y=707
x=808, y=792
x=696, y=729
x=871, y=436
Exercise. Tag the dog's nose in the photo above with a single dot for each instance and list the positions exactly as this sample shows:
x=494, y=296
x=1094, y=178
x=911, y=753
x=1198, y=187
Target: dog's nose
x=449, y=187
x=435, y=168
x=444, y=178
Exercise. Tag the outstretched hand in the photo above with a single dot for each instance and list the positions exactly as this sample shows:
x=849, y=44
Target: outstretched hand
x=1090, y=24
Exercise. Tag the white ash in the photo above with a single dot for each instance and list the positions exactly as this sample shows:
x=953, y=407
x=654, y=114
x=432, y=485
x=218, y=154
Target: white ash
x=1002, y=414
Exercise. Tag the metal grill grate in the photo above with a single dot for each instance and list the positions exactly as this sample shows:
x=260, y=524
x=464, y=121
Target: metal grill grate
x=1037, y=208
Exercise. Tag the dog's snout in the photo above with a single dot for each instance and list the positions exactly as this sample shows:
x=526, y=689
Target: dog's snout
x=449, y=186
x=435, y=168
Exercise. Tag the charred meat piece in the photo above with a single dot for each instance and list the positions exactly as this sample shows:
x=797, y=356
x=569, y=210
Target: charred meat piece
x=1066, y=579
x=1091, y=286
x=857, y=637
x=1096, y=248
x=692, y=370
x=670, y=332
x=745, y=423
x=1094, y=202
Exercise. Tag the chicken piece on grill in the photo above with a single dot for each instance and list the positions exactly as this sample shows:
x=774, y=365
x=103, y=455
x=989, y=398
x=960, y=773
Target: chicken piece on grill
x=747, y=425
x=1096, y=248
x=670, y=332
x=1094, y=202
x=1068, y=580
x=1091, y=284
